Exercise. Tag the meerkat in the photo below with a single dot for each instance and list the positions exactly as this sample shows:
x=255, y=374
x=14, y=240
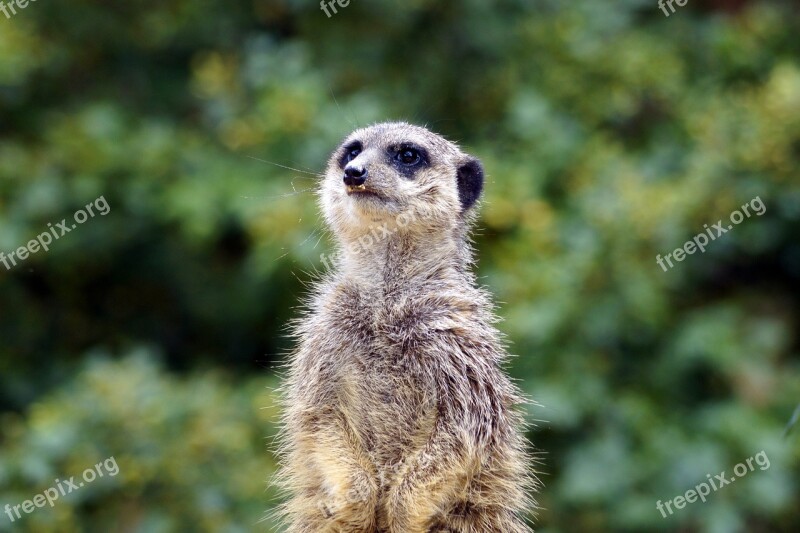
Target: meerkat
x=398, y=416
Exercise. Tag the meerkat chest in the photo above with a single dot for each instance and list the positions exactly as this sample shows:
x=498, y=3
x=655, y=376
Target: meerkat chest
x=389, y=405
x=384, y=386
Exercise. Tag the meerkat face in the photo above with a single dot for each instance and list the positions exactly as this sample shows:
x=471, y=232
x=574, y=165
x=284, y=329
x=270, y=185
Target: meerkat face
x=402, y=174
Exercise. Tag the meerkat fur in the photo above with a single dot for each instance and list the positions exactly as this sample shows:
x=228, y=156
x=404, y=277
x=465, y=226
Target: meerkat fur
x=398, y=417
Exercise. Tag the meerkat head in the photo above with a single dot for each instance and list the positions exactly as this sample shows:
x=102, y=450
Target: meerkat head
x=399, y=175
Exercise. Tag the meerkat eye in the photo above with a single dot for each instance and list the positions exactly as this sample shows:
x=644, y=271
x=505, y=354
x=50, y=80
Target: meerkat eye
x=351, y=151
x=408, y=156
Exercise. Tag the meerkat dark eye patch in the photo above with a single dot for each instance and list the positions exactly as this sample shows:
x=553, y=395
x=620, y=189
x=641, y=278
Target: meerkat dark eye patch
x=349, y=152
x=408, y=156
x=470, y=183
x=408, y=159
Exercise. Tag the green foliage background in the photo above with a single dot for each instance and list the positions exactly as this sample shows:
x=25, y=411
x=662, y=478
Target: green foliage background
x=610, y=134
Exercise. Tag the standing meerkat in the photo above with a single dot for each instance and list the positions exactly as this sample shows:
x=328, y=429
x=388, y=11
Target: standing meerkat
x=398, y=417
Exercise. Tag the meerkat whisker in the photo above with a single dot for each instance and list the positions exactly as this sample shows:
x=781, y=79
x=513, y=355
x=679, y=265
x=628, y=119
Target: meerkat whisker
x=277, y=196
x=285, y=166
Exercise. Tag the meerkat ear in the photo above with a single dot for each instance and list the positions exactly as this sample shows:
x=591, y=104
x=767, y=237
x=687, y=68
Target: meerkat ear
x=470, y=182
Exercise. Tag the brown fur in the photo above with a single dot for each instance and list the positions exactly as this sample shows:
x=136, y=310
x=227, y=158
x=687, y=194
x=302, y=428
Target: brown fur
x=398, y=417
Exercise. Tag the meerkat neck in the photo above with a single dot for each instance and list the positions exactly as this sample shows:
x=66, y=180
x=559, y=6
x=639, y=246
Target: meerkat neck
x=404, y=259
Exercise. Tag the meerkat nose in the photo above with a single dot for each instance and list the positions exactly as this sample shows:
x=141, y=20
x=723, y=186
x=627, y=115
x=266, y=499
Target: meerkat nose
x=354, y=175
